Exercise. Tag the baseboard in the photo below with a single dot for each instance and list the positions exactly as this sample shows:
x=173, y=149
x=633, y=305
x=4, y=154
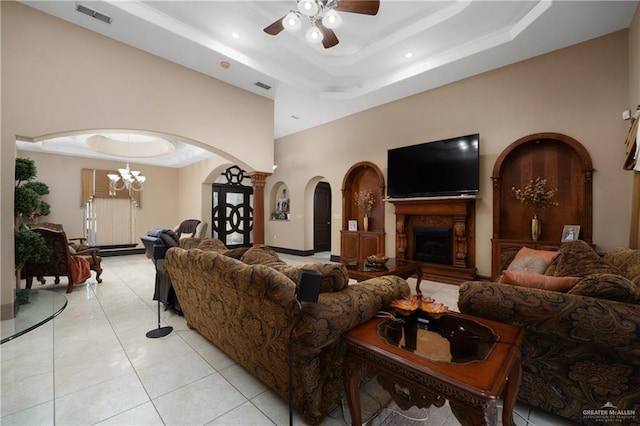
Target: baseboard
x=293, y=252
x=120, y=252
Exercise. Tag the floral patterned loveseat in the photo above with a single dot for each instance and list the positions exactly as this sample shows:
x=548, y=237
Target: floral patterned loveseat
x=247, y=308
x=582, y=347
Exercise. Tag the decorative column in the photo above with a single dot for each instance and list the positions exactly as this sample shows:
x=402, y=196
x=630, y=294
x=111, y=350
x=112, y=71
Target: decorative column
x=258, y=180
x=460, y=240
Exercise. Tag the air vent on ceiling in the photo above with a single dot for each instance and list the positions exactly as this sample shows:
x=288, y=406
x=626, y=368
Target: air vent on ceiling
x=93, y=13
x=264, y=86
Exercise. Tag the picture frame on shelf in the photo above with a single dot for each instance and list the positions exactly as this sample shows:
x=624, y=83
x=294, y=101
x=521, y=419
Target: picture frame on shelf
x=352, y=225
x=570, y=233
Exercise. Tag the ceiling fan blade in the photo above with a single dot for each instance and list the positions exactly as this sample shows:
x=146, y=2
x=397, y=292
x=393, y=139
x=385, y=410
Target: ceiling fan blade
x=366, y=7
x=329, y=38
x=275, y=28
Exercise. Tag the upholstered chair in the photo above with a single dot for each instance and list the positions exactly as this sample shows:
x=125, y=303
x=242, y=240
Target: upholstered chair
x=60, y=258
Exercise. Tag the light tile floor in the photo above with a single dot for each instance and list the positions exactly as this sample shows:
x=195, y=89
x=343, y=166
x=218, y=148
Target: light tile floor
x=93, y=364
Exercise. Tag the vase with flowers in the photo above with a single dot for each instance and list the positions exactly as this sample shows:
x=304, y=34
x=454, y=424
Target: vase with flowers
x=539, y=196
x=365, y=201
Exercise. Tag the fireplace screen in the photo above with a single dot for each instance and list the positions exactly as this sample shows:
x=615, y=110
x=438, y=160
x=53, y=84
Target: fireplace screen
x=432, y=245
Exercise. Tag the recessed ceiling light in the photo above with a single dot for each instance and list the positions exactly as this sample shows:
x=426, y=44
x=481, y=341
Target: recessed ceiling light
x=235, y=35
x=408, y=55
x=224, y=64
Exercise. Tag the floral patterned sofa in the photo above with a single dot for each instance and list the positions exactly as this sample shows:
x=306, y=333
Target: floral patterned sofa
x=582, y=347
x=247, y=308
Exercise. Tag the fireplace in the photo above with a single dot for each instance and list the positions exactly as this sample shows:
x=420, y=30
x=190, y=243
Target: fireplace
x=432, y=245
x=447, y=251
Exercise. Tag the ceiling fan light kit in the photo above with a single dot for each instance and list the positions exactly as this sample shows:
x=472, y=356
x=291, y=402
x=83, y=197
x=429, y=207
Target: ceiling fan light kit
x=332, y=19
x=313, y=35
x=309, y=7
x=323, y=17
x=291, y=22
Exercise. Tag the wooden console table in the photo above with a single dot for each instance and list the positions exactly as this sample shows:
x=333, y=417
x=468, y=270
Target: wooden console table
x=483, y=363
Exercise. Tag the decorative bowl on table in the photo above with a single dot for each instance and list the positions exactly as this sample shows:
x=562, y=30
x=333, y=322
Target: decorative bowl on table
x=407, y=305
x=377, y=260
x=424, y=303
x=429, y=306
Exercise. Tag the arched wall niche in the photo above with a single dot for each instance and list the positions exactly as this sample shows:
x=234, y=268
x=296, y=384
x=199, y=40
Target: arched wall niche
x=279, y=201
x=566, y=165
x=360, y=177
x=357, y=244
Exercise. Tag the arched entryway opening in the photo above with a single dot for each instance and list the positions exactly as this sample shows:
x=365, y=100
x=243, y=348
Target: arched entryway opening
x=84, y=203
x=318, y=213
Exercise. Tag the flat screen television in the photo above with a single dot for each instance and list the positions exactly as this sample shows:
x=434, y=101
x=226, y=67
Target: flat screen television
x=449, y=167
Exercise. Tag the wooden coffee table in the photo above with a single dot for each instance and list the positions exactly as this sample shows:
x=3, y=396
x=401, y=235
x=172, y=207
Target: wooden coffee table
x=402, y=268
x=424, y=361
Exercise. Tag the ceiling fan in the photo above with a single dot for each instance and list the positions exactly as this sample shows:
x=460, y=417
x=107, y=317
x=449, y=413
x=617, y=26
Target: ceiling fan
x=323, y=17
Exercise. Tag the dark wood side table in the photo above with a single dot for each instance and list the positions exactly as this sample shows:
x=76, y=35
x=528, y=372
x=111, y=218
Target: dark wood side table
x=424, y=361
x=402, y=268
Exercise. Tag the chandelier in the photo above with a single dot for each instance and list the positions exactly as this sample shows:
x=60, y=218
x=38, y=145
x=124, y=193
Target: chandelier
x=314, y=11
x=131, y=179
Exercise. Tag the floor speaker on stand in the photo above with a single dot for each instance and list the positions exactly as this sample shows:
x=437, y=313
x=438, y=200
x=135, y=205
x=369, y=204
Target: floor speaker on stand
x=160, y=331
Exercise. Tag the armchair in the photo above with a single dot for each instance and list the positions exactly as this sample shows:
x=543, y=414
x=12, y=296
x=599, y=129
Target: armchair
x=192, y=228
x=63, y=260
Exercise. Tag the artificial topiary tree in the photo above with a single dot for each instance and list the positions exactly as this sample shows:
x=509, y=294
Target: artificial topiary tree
x=28, y=201
x=29, y=246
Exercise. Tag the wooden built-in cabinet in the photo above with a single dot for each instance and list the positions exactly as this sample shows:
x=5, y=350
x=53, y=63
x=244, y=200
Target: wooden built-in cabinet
x=567, y=166
x=355, y=246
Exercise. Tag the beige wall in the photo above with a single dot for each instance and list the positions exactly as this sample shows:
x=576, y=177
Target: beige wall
x=194, y=190
x=580, y=91
x=634, y=61
x=58, y=78
x=62, y=173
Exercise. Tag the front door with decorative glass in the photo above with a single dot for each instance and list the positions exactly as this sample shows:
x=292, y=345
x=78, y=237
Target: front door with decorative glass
x=231, y=210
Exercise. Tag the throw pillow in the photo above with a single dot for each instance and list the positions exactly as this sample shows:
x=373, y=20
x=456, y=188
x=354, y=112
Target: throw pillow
x=189, y=243
x=237, y=252
x=334, y=275
x=532, y=261
x=261, y=255
x=527, y=279
x=608, y=286
x=212, y=244
x=627, y=260
x=578, y=259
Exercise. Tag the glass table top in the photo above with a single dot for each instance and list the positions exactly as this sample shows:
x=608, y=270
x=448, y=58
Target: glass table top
x=43, y=306
x=391, y=264
x=448, y=338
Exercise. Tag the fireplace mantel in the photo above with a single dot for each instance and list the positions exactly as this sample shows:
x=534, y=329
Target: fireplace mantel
x=456, y=213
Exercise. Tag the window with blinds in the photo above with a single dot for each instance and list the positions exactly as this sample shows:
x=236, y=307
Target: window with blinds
x=110, y=216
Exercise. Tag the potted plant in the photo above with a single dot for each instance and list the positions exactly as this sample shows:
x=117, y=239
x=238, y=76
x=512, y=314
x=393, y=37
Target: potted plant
x=28, y=206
